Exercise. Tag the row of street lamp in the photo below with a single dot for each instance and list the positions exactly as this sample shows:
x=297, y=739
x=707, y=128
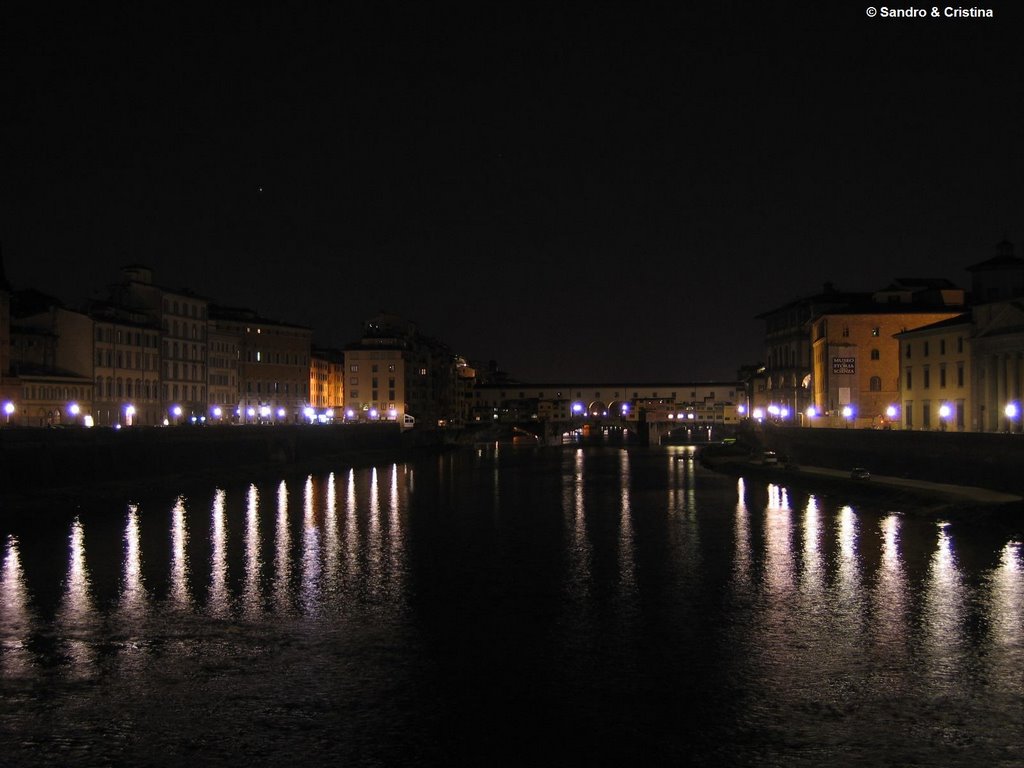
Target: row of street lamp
x=265, y=412
x=946, y=410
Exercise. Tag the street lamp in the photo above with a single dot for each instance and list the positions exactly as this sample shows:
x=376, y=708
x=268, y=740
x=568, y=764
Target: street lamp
x=847, y=414
x=9, y=410
x=1011, y=411
x=129, y=414
x=944, y=413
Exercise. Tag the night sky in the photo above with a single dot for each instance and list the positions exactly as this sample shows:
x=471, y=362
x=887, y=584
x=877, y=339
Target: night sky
x=580, y=192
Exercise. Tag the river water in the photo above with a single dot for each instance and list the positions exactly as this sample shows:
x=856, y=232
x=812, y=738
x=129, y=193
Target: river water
x=596, y=606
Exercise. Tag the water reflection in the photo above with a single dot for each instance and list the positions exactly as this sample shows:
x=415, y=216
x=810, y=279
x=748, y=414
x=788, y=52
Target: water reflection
x=396, y=538
x=351, y=527
x=627, y=565
x=823, y=644
x=310, y=595
x=944, y=614
x=890, y=610
x=219, y=603
x=811, y=576
x=252, y=601
x=133, y=603
x=331, y=540
x=373, y=542
x=779, y=571
x=180, y=597
x=282, y=554
x=76, y=617
x=1005, y=611
x=573, y=506
x=16, y=619
x=741, y=529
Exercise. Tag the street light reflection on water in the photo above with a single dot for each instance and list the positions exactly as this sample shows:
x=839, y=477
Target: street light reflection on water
x=603, y=594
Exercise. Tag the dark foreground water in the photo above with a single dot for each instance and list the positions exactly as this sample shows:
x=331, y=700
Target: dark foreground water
x=553, y=607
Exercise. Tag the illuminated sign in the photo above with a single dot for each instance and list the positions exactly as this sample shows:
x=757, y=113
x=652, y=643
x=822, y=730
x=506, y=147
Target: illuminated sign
x=844, y=365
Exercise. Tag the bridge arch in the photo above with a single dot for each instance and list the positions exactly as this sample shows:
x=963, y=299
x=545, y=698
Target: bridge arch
x=598, y=408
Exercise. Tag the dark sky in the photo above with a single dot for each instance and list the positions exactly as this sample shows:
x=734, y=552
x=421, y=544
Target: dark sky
x=581, y=192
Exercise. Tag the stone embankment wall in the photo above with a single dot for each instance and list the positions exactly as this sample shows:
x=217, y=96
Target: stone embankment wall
x=987, y=460
x=42, y=459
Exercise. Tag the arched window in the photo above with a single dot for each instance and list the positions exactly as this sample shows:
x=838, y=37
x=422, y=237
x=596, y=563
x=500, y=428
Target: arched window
x=876, y=384
x=874, y=354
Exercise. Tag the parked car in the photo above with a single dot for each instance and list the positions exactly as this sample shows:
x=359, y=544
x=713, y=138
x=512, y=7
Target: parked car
x=859, y=473
x=769, y=457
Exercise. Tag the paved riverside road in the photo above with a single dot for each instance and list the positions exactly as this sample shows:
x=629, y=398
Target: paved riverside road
x=966, y=492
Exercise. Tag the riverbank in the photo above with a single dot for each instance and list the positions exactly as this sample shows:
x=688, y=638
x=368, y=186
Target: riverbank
x=44, y=466
x=930, y=497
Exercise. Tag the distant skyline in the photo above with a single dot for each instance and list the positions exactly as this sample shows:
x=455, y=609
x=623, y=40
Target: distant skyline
x=597, y=194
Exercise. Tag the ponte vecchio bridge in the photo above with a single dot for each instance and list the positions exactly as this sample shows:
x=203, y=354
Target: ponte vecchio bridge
x=651, y=410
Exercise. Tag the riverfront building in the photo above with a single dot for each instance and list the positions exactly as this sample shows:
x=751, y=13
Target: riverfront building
x=936, y=377
x=222, y=371
x=785, y=381
x=394, y=371
x=273, y=364
x=327, y=380
x=997, y=343
x=126, y=367
x=181, y=316
x=51, y=360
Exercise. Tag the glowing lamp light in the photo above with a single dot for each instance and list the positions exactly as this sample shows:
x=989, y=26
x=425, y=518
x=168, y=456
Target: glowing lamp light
x=250, y=412
x=330, y=413
x=577, y=407
x=811, y=412
x=945, y=411
x=129, y=411
x=784, y=412
x=8, y=408
x=741, y=409
x=350, y=414
x=392, y=413
x=847, y=412
x=1012, y=410
x=264, y=411
x=117, y=426
x=890, y=412
x=758, y=413
x=217, y=412
x=374, y=413
x=773, y=410
x=74, y=409
x=280, y=413
x=309, y=413
x=691, y=416
x=87, y=420
x=176, y=411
